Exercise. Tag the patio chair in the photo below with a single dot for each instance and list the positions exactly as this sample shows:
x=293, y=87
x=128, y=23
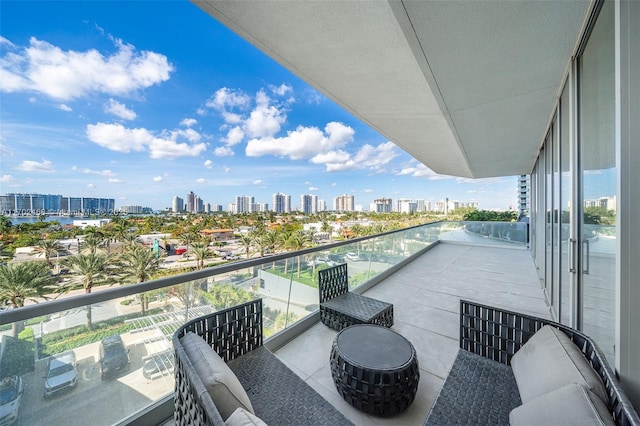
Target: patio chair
x=340, y=308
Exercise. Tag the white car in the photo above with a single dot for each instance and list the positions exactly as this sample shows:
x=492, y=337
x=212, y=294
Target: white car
x=322, y=261
x=352, y=256
x=11, y=389
x=61, y=373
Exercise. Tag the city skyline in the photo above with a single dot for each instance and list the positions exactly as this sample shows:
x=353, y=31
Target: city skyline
x=97, y=106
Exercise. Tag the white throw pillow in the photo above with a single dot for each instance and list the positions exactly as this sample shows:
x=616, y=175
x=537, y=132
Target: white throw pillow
x=242, y=417
x=549, y=361
x=570, y=405
x=223, y=386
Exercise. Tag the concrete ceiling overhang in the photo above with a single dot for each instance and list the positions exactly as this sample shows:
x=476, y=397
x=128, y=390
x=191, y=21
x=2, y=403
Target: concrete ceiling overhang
x=465, y=87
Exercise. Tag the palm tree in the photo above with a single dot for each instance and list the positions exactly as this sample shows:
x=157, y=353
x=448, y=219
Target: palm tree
x=298, y=241
x=138, y=264
x=5, y=252
x=48, y=248
x=91, y=269
x=200, y=252
x=25, y=281
x=246, y=241
x=92, y=242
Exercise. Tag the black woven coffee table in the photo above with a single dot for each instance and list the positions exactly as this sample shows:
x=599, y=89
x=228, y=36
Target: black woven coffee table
x=375, y=369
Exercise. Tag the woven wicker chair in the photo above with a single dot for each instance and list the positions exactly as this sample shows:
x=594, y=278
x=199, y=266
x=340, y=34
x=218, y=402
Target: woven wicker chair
x=340, y=308
x=480, y=387
x=277, y=394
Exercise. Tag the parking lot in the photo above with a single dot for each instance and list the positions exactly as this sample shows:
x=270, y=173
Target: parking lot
x=94, y=401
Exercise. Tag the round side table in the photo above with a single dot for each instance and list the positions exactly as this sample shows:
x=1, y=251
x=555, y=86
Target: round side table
x=375, y=369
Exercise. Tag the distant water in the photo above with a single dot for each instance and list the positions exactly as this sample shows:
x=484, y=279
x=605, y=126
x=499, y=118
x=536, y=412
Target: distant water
x=64, y=220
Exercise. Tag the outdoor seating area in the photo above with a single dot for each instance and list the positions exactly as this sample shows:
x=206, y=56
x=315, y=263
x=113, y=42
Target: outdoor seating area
x=518, y=369
x=225, y=376
x=340, y=308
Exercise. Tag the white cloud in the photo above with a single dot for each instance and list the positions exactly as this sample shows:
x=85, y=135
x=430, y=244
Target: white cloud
x=157, y=178
x=6, y=178
x=313, y=188
x=257, y=181
x=208, y=164
x=234, y=136
x=334, y=184
x=33, y=166
x=44, y=68
x=6, y=41
x=120, y=110
x=169, y=149
x=420, y=170
x=265, y=119
x=281, y=90
x=367, y=190
x=223, y=151
x=188, y=122
x=88, y=171
x=90, y=186
x=367, y=157
x=65, y=107
x=227, y=98
x=114, y=180
x=226, y=169
x=116, y=137
x=201, y=180
x=121, y=139
x=304, y=142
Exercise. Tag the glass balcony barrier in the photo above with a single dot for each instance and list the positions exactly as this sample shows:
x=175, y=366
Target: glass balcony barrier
x=100, y=358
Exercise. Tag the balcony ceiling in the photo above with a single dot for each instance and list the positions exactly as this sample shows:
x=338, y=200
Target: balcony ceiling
x=465, y=87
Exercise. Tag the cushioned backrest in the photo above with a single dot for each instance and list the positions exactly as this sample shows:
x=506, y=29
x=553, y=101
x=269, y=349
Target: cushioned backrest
x=549, y=361
x=570, y=405
x=223, y=386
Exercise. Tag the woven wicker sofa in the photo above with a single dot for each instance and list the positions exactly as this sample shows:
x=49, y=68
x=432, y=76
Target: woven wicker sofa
x=277, y=395
x=481, y=387
x=340, y=308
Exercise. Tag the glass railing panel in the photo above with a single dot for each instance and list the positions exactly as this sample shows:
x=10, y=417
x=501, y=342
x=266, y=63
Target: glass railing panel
x=490, y=233
x=145, y=322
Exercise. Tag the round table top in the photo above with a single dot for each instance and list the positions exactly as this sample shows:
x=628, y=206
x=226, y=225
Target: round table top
x=374, y=347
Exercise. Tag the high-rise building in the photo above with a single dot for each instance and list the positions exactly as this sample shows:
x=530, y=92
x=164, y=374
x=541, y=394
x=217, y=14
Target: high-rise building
x=191, y=202
x=309, y=204
x=322, y=206
x=523, y=194
x=343, y=203
x=178, y=204
x=381, y=205
x=281, y=203
x=244, y=204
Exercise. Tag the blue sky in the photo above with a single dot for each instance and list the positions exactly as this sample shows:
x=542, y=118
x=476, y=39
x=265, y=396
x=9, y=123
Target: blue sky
x=143, y=101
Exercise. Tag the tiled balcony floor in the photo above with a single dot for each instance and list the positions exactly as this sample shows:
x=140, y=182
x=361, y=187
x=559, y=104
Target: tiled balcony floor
x=426, y=296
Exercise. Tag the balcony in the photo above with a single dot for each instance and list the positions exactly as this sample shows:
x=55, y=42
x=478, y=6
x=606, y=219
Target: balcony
x=423, y=271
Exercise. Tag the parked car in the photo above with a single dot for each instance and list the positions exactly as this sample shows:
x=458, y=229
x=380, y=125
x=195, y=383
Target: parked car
x=113, y=356
x=61, y=373
x=322, y=261
x=352, y=256
x=11, y=389
x=160, y=363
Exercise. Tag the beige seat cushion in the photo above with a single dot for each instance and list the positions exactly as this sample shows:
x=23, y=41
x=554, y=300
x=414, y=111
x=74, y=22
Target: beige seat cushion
x=223, y=386
x=242, y=417
x=549, y=361
x=570, y=405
